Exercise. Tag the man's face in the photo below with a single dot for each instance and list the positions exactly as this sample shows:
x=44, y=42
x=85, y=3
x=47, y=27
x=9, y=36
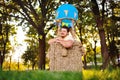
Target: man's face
x=63, y=32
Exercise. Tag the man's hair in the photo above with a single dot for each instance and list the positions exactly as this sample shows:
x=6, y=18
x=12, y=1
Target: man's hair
x=65, y=27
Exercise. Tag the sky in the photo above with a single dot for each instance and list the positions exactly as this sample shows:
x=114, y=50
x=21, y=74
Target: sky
x=18, y=49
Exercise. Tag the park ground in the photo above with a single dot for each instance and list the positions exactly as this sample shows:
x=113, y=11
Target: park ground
x=89, y=74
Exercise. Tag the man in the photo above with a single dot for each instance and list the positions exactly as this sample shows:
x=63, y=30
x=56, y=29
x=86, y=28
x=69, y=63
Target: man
x=65, y=52
x=65, y=38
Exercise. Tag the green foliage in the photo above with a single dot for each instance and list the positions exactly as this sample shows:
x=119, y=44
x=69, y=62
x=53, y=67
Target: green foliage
x=6, y=31
x=101, y=75
x=13, y=66
x=30, y=56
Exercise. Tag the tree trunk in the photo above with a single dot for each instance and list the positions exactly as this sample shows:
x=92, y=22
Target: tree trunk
x=95, y=59
x=42, y=53
x=85, y=61
x=104, y=49
x=33, y=66
x=99, y=21
x=2, y=56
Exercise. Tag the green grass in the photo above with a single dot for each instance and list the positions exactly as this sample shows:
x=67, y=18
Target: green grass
x=39, y=75
x=92, y=74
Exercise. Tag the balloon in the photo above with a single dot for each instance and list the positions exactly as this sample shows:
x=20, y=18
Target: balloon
x=66, y=13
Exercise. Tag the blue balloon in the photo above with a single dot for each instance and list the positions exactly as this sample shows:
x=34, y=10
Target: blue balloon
x=67, y=11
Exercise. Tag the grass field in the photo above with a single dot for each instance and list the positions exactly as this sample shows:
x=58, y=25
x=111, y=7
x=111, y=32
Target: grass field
x=92, y=74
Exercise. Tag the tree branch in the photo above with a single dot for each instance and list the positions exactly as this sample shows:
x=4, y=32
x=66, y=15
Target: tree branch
x=29, y=19
x=33, y=10
x=11, y=15
x=95, y=8
x=103, y=10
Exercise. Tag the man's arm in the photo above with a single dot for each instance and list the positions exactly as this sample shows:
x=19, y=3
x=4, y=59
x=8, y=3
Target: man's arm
x=66, y=43
x=51, y=41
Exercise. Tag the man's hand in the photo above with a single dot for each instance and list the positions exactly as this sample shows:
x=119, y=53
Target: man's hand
x=58, y=40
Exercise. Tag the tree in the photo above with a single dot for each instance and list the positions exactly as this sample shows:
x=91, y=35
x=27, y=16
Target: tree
x=5, y=31
x=99, y=20
x=112, y=29
x=36, y=13
x=31, y=54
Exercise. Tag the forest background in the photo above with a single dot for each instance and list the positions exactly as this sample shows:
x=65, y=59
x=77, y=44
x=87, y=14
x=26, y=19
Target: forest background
x=98, y=28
